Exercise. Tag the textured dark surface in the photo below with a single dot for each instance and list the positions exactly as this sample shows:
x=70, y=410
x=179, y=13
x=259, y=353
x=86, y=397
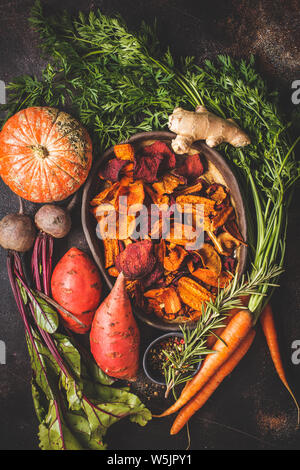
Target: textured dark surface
x=251, y=410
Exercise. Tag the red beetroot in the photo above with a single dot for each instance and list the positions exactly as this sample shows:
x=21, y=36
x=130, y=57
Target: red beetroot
x=76, y=285
x=114, y=335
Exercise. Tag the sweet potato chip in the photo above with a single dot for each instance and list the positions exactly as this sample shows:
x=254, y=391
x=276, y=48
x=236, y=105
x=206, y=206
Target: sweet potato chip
x=105, y=215
x=183, y=316
x=174, y=259
x=211, y=278
x=158, y=199
x=231, y=227
x=166, y=297
x=192, y=293
x=181, y=234
x=171, y=301
x=109, y=194
x=125, y=227
x=210, y=258
x=124, y=152
x=127, y=241
x=170, y=277
x=220, y=218
x=112, y=271
x=134, y=193
x=203, y=215
x=208, y=204
x=111, y=251
x=228, y=243
x=190, y=266
x=154, y=293
x=154, y=307
x=194, y=262
x=216, y=242
x=168, y=183
x=108, y=220
x=190, y=189
x=194, y=315
x=217, y=192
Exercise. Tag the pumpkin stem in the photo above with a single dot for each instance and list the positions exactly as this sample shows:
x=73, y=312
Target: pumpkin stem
x=40, y=151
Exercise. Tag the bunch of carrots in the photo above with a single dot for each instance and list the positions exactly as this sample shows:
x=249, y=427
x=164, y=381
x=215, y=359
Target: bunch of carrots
x=228, y=349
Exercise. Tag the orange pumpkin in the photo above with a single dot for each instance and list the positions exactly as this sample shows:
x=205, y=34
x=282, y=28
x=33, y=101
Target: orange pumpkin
x=45, y=154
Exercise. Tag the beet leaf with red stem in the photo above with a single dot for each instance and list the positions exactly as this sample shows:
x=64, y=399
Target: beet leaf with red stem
x=74, y=401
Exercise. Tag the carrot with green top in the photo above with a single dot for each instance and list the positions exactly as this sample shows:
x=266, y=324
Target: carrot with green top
x=237, y=329
x=201, y=398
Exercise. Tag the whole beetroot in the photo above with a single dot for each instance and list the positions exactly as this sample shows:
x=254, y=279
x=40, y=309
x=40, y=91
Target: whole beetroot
x=76, y=285
x=17, y=232
x=54, y=220
x=114, y=336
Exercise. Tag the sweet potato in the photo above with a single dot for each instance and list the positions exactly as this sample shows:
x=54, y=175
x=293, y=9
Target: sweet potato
x=114, y=336
x=76, y=285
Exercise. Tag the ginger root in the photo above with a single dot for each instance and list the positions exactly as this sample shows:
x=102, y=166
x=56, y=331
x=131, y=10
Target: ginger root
x=203, y=125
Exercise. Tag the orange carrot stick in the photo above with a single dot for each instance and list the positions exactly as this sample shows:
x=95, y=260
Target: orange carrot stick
x=237, y=329
x=268, y=326
x=201, y=398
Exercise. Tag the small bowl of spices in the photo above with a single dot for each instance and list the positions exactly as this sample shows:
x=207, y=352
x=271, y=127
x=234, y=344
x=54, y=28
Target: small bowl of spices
x=156, y=360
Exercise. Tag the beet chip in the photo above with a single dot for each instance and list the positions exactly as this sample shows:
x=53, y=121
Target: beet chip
x=191, y=168
x=112, y=169
x=169, y=159
x=137, y=260
x=146, y=167
x=154, y=159
x=155, y=275
x=229, y=263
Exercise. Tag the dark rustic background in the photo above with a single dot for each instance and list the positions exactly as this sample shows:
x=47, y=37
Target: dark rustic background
x=251, y=410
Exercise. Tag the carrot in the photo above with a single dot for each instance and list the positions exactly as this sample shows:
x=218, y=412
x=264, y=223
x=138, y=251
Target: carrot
x=201, y=398
x=212, y=338
x=268, y=326
x=237, y=329
x=114, y=336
